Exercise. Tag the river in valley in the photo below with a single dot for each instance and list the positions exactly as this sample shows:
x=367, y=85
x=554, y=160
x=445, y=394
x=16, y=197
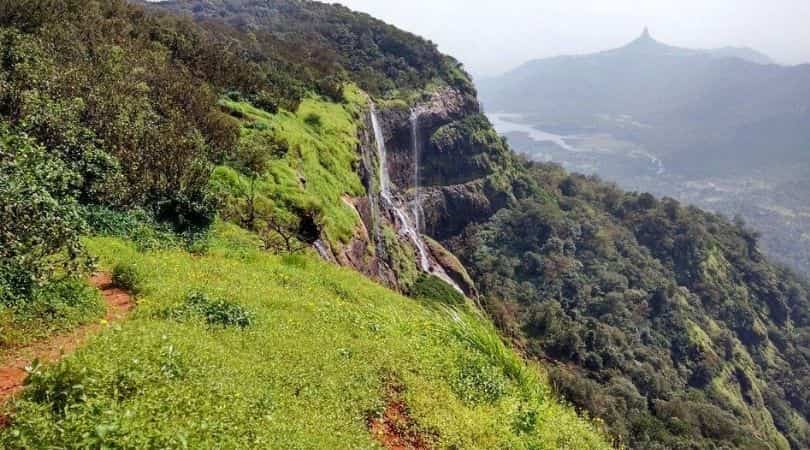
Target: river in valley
x=599, y=153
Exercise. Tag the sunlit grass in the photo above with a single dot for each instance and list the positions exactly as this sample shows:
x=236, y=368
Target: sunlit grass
x=306, y=372
x=319, y=167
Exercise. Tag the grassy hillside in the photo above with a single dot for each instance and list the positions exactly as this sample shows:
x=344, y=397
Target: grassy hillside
x=233, y=347
x=294, y=165
x=666, y=322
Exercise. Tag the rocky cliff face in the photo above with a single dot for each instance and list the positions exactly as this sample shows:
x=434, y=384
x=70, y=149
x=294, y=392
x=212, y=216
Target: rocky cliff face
x=441, y=156
x=406, y=126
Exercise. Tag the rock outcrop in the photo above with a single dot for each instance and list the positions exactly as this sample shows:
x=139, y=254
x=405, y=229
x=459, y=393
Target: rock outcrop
x=440, y=164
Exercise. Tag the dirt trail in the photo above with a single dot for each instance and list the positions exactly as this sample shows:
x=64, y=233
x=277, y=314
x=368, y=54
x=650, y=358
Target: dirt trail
x=12, y=367
x=395, y=429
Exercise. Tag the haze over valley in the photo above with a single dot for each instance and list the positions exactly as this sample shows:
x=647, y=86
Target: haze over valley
x=723, y=129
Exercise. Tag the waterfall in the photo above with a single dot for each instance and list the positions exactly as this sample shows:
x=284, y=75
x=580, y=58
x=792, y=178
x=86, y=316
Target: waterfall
x=409, y=225
x=373, y=199
x=406, y=226
x=323, y=250
x=417, y=153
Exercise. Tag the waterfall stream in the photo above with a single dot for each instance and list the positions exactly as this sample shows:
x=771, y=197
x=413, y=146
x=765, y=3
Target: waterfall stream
x=409, y=225
x=418, y=215
x=323, y=250
x=406, y=226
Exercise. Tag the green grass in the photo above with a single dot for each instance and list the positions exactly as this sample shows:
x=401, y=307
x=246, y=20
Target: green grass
x=433, y=288
x=55, y=307
x=319, y=166
x=306, y=371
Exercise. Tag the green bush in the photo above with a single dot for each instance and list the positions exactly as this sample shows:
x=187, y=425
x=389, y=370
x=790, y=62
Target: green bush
x=54, y=306
x=215, y=311
x=136, y=225
x=126, y=276
x=15, y=283
x=40, y=223
x=65, y=299
x=59, y=388
x=433, y=288
x=313, y=120
x=141, y=227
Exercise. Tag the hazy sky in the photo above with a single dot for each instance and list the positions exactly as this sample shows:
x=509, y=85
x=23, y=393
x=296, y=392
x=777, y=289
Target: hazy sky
x=492, y=36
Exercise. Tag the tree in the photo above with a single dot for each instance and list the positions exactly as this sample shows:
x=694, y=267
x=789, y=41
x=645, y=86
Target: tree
x=246, y=197
x=40, y=222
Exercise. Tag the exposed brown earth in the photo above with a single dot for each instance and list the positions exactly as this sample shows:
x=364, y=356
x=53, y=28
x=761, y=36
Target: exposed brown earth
x=395, y=429
x=13, y=368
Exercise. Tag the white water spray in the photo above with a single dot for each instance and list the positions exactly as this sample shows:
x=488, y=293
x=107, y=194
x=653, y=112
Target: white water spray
x=409, y=226
x=417, y=153
x=323, y=250
x=406, y=226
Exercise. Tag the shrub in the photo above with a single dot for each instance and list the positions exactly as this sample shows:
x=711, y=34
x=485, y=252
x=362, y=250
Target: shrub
x=54, y=306
x=59, y=387
x=127, y=277
x=214, y=311
x=313, y=120
x=65, y=299
x=189, y=210
x=15, y=283
x=40, y=223
x=136, y=225
x=525, y=421
x=267, y=102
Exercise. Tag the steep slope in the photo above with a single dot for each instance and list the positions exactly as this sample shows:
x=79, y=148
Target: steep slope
x=666, y=321
x=232, y=345
x=387, y=241
x=668, y=317
x=236, y=348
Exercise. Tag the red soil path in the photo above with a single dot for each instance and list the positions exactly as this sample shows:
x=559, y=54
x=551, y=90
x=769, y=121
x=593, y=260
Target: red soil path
x=12, y=366
x=395, y=429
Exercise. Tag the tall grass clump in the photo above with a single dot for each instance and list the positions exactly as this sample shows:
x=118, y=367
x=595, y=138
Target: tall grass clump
x=480, y=335
x=433, y=288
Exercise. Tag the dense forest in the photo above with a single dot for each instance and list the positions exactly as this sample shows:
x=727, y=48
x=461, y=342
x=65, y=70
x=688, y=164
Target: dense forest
x=100, y=90
x=240, y=122
x=355, y=46
x=662, y=319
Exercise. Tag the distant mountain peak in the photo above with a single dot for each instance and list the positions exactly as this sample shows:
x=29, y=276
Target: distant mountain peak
x=646, y=35
x=646, y=43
